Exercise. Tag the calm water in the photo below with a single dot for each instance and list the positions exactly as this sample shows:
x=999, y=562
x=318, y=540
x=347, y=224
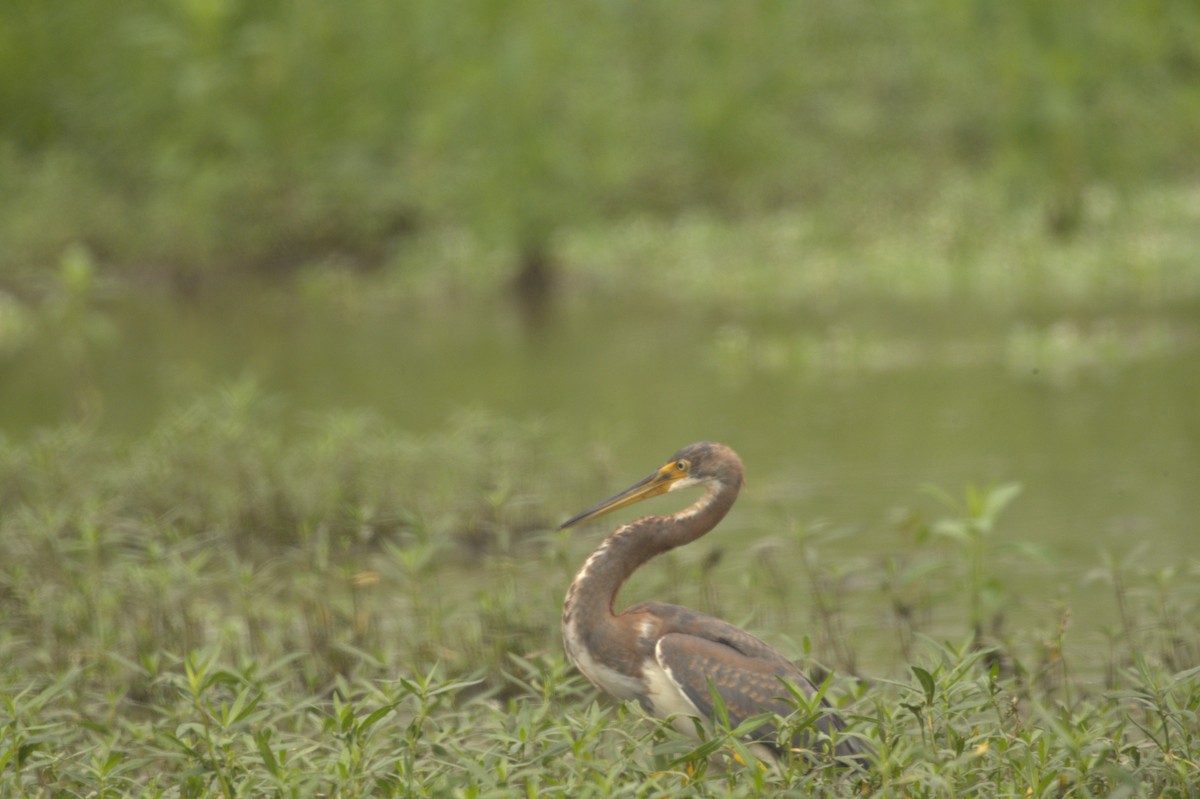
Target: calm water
x=838, y=417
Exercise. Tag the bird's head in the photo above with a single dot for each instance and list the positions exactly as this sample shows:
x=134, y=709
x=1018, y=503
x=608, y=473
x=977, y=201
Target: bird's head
x=705, y=463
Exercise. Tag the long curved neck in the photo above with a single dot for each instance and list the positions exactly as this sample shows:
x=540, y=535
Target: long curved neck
x=593, y=594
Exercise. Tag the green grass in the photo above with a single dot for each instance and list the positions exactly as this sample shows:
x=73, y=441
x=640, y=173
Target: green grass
x=184, y=140
x=235, y=606
x=1134, y=250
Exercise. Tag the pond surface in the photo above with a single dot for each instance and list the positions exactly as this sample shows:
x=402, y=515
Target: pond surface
x=840, y=416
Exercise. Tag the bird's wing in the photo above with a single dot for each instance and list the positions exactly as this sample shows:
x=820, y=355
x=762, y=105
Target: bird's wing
x=749, y=684
x=695, y=649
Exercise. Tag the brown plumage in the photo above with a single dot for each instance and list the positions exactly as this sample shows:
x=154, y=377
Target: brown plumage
x=667, y=657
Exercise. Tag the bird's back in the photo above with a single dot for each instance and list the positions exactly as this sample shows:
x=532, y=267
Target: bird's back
x=700, y=653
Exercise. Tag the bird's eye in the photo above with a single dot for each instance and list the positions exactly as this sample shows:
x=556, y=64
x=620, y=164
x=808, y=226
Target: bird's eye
x=682, y=466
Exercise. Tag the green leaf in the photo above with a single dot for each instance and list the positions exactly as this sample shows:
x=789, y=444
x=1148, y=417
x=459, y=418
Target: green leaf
x=263, y=739
x=927, y=683
x=374, y=718
x=997, y=499
x=951, y=528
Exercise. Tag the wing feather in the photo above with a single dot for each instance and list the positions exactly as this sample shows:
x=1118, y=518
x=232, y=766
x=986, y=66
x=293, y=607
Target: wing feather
x=695, y=649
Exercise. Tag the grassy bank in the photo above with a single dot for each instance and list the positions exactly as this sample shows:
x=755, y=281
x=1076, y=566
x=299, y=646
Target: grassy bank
x=236, y=606
x=179, y=141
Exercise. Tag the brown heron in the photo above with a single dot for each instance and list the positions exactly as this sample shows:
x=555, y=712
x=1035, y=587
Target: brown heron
x=669, y=658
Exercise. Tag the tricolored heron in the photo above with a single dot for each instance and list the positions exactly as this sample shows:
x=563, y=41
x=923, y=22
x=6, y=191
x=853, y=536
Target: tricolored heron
x=667, y=657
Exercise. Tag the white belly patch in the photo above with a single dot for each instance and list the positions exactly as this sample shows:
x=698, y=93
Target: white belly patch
x=667, y=699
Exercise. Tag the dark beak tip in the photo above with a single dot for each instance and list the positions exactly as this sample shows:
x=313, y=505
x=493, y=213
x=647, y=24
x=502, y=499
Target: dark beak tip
x=571, y=522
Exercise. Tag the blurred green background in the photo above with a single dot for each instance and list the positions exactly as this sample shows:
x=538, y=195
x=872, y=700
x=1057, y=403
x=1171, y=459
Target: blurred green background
x=870, y=246
x=176, y=140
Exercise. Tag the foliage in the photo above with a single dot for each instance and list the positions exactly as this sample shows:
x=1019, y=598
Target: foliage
x=180, y=139
x=231, y=606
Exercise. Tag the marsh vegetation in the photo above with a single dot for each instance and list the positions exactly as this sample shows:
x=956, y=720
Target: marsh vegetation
x=315, y=321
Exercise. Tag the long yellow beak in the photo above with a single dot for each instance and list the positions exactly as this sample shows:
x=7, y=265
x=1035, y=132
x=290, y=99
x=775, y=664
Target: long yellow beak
x=651, y=485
